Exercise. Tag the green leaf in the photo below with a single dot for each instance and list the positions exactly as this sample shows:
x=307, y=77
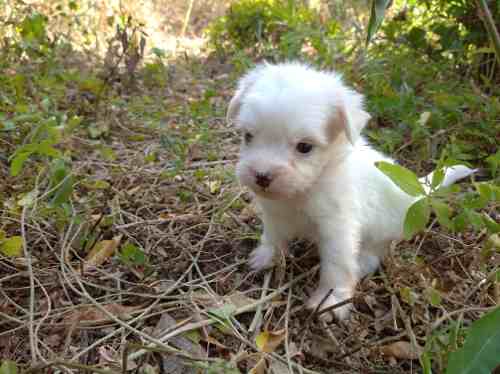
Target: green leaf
x=474, y=218
x=20, y=157
x=437, y=178
x=479, y=355
x=488, y=191
x=60, y=177
x=73, y=5
x=223, y=313
x=443, y=213
x=433, y=296
x=402, y=177
x=494, y=163
x=491, y=246
x=28, y=199
x=8, y=367
x=492, y=226
x=132, y=255
x=416, y=38
x=12, y=247
x=63, y=193
x=45, y=148
x=425, y=362
x=459, y=222
x=416, y=218
x=376, y=17
x=408, y=296
x=108, y=154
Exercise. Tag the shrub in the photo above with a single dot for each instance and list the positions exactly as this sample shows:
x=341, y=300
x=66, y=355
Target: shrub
x=279, y=29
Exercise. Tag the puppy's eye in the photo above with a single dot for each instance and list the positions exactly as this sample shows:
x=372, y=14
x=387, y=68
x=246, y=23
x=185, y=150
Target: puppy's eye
x=248, y=137
x=304, y=147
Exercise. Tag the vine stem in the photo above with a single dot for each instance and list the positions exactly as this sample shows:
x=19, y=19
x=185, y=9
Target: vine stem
x=489, y=24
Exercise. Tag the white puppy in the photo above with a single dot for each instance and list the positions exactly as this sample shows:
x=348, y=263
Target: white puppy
x=314, y=175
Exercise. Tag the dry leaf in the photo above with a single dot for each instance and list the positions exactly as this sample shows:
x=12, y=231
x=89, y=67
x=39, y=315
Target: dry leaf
x=214, y=186
x=101, y=252
x=278, y=367
x=22, y=262
x=424, y=118
x=107, y=354
x=177, y=217
x=321, y=347
x=53, y=340
x=251, y=210
x=134, y=190
x=401, y=350
x=148, y=369
x=259, y=368
x=93, y=314
x=268, y=341
x=195, y=152
x=216, y=343
x=239, y=299
x=167, y=322
x=294, y=351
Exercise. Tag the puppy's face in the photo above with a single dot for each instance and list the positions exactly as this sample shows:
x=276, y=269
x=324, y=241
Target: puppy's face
x=290, y=130
x=282, y=152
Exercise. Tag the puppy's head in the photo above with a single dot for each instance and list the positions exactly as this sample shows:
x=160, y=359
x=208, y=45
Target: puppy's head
x=294, y=120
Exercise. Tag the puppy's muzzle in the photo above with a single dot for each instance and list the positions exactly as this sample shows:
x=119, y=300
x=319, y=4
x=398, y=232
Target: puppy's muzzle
x=263, y=179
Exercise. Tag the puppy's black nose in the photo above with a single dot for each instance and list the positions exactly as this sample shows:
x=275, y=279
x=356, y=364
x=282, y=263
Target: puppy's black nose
x=263, y=179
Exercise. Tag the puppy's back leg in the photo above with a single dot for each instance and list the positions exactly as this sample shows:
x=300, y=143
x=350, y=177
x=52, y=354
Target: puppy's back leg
x=370, y=257
x=368, y=264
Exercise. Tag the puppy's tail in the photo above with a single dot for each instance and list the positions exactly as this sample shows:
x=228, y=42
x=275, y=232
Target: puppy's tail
x=451, y=175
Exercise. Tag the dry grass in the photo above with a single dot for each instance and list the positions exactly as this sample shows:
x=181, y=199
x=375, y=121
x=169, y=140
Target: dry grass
x=197, y=227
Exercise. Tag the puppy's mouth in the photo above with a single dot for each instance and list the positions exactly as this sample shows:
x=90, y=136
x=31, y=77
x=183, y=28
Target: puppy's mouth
x=270, y=194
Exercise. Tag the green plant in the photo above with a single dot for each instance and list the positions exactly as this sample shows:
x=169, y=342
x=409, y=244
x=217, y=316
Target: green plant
x=8, y=367
x=442, y=29
x=274, y=28
x=440, y=200
x=132, y=255
x=479, y=354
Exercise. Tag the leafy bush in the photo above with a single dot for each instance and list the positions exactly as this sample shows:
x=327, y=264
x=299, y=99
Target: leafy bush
x=442, y=29
x=272, y=28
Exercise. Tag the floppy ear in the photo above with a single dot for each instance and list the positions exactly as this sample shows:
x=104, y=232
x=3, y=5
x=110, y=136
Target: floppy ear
x=353, y=120
x=244, y=85
x=234, y=106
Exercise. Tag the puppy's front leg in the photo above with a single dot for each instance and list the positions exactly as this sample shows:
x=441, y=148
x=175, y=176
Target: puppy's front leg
x=338, y=249
x=271, y=242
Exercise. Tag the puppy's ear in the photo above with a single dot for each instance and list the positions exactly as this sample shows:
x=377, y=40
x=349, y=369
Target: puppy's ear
x=244, y=86
x=352, y=120
x=234, y=106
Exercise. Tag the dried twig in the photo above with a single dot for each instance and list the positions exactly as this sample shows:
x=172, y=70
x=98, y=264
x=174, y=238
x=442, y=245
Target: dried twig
x=241, y=310
x=257, y=319
x=29, y=265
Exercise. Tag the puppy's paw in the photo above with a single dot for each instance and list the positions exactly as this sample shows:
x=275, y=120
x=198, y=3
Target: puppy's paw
x=261, y=258
x=368, y=264
x=341, y=313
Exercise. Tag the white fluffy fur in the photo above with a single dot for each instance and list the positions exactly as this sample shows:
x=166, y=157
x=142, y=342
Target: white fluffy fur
x=334, y=195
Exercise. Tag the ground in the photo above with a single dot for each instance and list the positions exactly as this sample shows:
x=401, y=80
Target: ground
x=148, y=273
